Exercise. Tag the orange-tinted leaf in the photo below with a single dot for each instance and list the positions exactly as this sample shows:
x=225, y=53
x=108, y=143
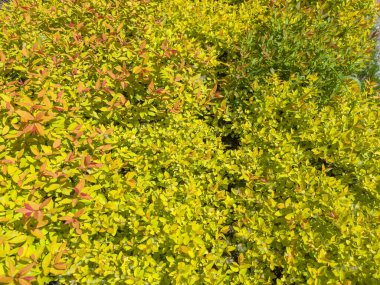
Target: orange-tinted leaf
x=85, y=196
x=70, y=156
x=75, y=224
x=165, y=45
x=214, y=89
x=29, y=278
x=81, y=87
x=74, y=202
x=67, y=219
x=57, y=258
x=80, y=186
x=118, y=29
x=44, y=203
x=88, y=159
x=20, y=251
x=105, y=147
x=27, y=213
x=33, y=206
x=60, y=266
x=57, y=143
x=41, y=93
x=25, y=52
x=42, y=223
x=25, y=269
x=143, y=45
x=79, y=213
x=37, y=233
x=111, y=74
x=43, y=167
x=59, y=108
x=40, y=116
x=25, y=116
x=26, y=130
x=39, y=128
x=23, y=282
x=151, y=86
x=97, y=84
x=6, y=279
x=2, y=57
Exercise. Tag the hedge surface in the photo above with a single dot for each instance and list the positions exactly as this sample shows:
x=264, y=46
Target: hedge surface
x=188, y=142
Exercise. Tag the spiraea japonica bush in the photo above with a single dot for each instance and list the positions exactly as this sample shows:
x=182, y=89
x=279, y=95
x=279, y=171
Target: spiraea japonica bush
x=188, y=142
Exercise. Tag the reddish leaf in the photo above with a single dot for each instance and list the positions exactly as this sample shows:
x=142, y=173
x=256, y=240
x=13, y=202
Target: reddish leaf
x=218, y=95
x=85, y=196
x=27, y=213
x=159, y=90
x=29, y=207
x=75, y=223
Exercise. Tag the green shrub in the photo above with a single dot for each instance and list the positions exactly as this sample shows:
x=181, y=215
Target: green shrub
x=154, y=142
x=328, y=39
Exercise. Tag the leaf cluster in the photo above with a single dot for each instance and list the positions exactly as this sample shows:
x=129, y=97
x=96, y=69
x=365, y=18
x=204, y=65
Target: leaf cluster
x=188, y=142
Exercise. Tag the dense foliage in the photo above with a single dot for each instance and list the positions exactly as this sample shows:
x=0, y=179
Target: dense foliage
x=188, y=142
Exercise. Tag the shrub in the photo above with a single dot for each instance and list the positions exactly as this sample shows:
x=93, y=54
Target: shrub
x=150, y=142
x=328, y=39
